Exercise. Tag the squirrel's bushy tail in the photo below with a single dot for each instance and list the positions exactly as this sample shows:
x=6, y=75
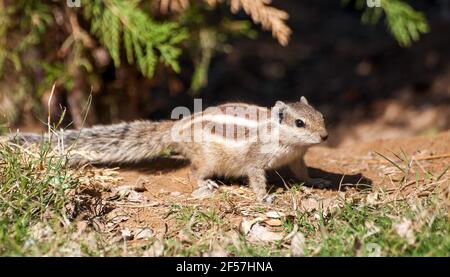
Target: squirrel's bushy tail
x=109, y=144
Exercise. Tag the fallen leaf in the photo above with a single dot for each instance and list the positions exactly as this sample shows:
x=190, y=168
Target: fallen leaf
x=298, y=245
x=131, y=193
x=98, y=224
x=232, y=237
x=82, y=226
x=117, y=216
x=216, y=251
x=126, y=234
x=275, y=214
x=145, y=233
x=405, y=230
x=126, y=188
x=41, y=231
x=156, y=250
x=246, y=225
x=136, y=197
x=372, y=229
x=259, y=233
x=372, y=198
x=185, y=235
x=309, y=204
x=373, y=250
x=273, y=222
x=175, y=193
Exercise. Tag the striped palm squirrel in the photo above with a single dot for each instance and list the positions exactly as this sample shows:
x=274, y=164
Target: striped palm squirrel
x=229, y=140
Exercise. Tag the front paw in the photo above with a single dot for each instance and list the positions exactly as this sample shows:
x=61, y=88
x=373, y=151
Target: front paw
x=265, y=198
x=268, y=199
x=206, y=189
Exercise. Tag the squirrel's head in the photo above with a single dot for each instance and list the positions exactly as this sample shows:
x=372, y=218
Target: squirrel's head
x=300, y=123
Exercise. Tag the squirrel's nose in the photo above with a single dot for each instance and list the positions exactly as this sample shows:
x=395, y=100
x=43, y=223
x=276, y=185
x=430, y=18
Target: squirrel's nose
x=324, y=137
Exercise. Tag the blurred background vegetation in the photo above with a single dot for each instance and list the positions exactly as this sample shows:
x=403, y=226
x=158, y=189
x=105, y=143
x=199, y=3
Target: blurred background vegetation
x=141, y=58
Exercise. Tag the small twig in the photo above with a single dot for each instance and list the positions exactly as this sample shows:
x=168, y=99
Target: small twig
x=78, y=32
x=137, y=206
x=405, y=186
x=49, y=103
x=292, y=233
x=24, y=149
x=441, y=156
x=340, y=182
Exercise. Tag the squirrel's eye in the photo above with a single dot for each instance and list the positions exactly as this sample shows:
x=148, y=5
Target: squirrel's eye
x=299, y=123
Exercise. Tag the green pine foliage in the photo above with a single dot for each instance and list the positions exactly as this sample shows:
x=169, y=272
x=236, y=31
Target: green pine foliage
x=118, y=23
x=404, y=22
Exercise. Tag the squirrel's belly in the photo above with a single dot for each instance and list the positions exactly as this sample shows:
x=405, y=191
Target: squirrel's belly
x=283, y=155
x=228, y=160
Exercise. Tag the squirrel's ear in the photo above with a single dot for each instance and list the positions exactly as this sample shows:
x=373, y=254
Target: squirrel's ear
x=280, y=107
x=304, y=100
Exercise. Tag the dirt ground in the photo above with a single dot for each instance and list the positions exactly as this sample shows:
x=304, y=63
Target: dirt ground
x=149, y=192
